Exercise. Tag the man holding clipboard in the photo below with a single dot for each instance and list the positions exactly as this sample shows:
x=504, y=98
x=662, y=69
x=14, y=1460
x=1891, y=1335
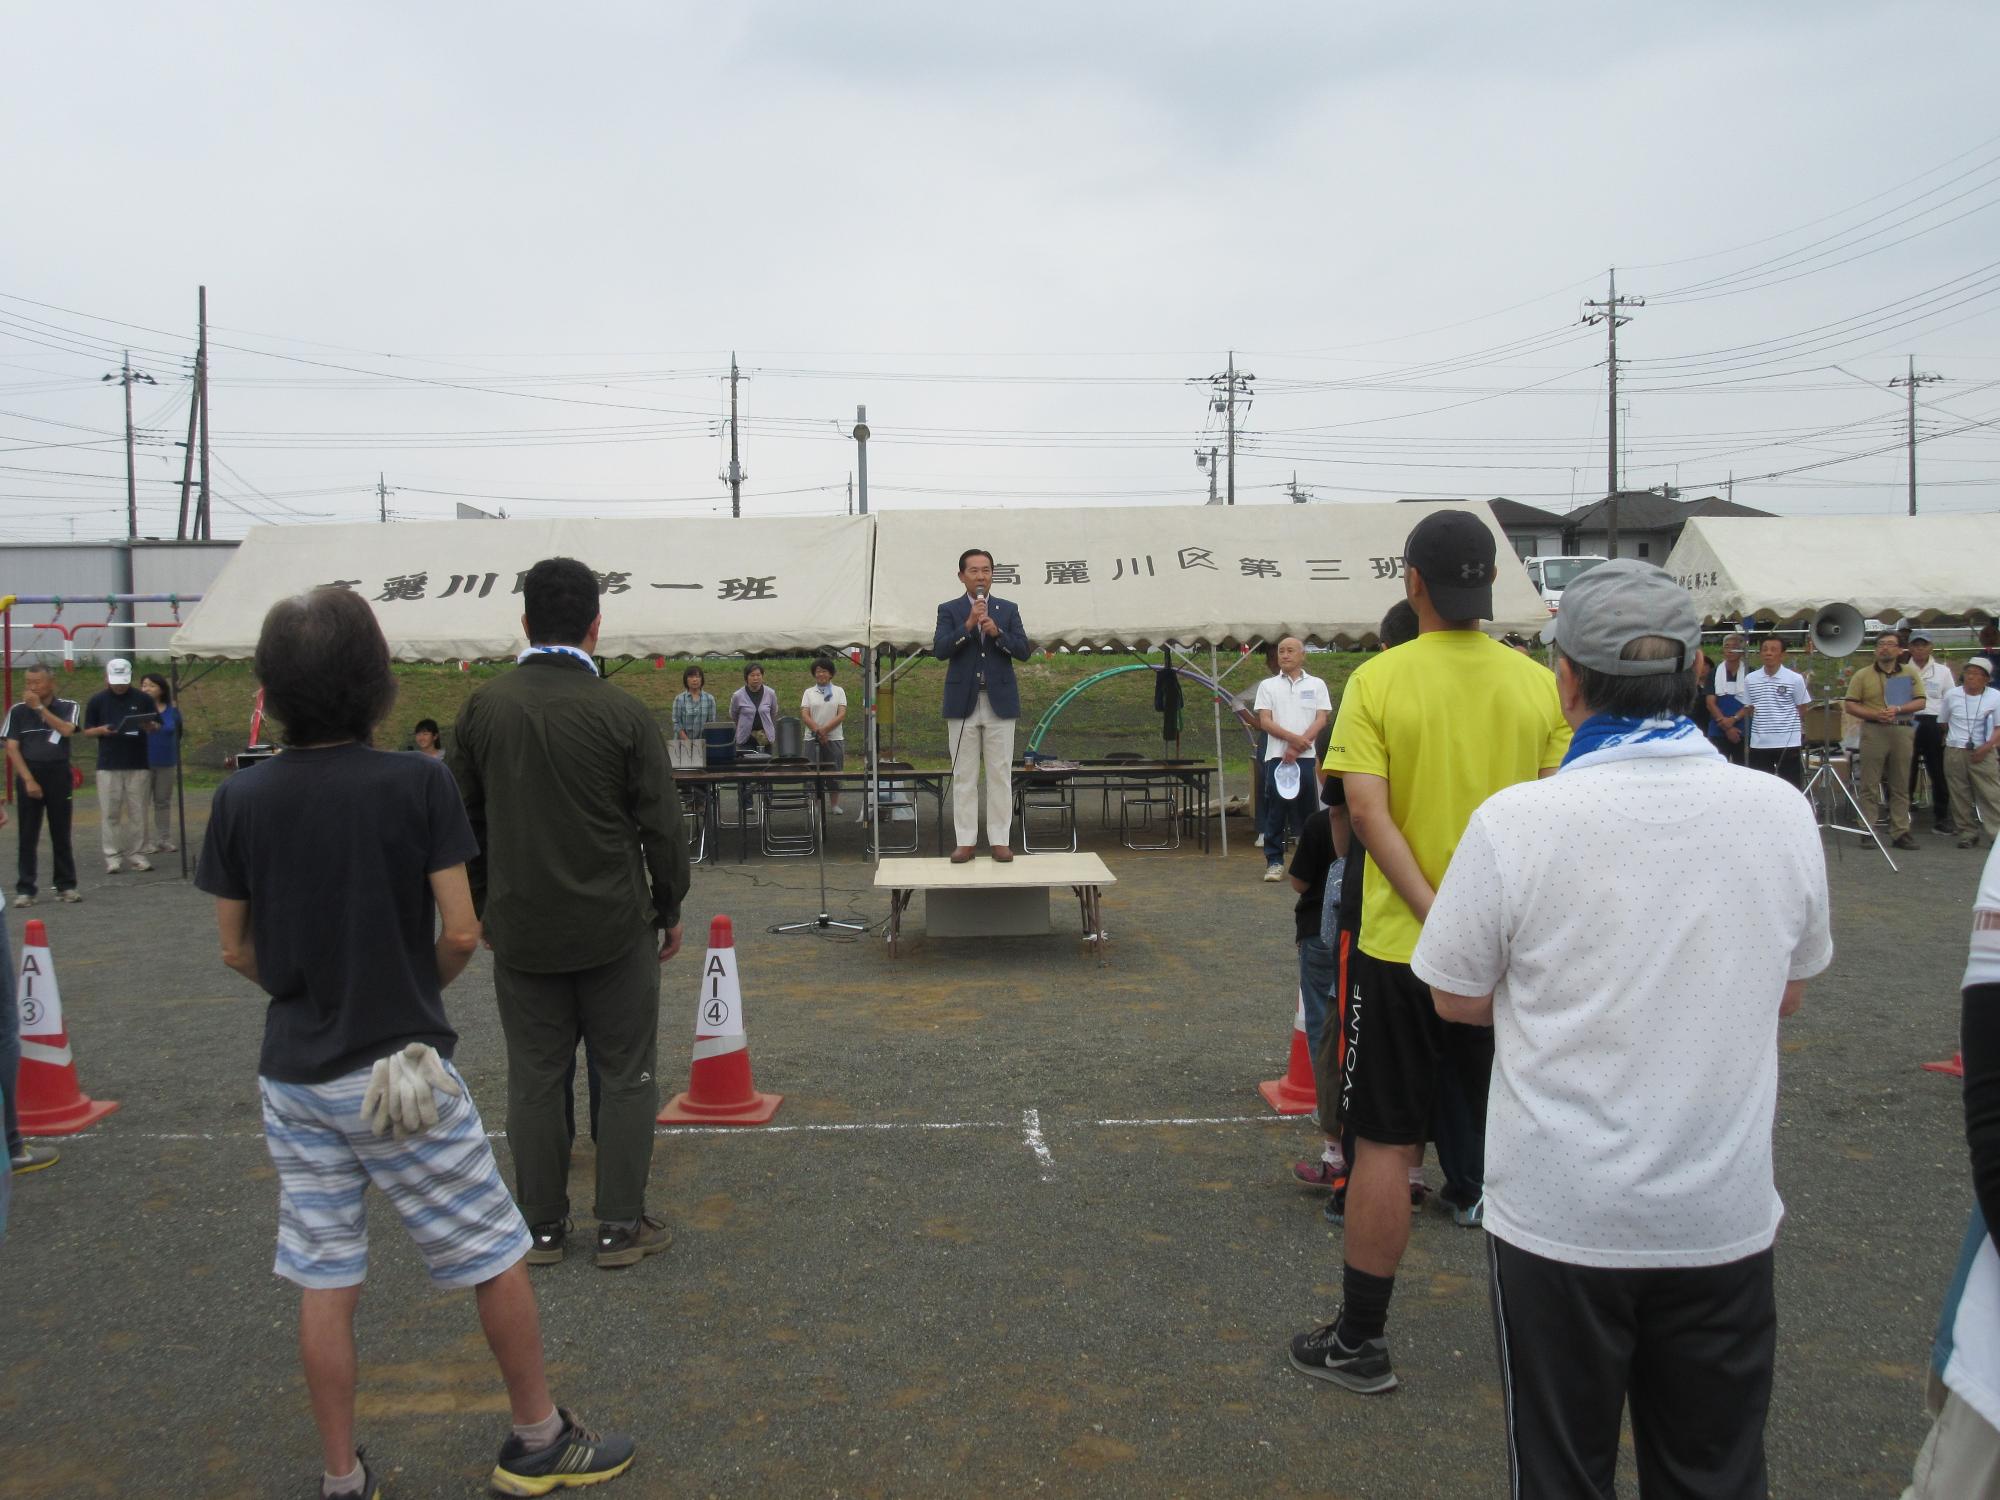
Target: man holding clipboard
x=1885, y=695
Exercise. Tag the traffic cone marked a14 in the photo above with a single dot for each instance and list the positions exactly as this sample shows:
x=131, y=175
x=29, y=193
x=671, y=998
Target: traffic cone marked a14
x=1294, y=1094
x=48, y=1098
x=719, y=1088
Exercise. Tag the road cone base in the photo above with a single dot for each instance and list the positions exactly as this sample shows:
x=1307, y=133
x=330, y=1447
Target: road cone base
x=1285, y=1099
x=756, y=1110
x=79, y=1114
x=1951, y=1067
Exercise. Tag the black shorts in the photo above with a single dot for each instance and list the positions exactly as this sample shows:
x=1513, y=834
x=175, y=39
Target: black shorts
x=1397, y=1048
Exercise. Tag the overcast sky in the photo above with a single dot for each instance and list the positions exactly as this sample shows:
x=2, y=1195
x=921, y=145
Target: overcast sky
x=503, y=252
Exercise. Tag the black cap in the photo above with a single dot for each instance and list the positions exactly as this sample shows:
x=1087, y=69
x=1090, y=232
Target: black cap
x=1453, y=552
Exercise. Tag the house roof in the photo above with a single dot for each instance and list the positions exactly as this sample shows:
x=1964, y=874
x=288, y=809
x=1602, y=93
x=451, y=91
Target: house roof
x=1643, y=510
x=1514, y=513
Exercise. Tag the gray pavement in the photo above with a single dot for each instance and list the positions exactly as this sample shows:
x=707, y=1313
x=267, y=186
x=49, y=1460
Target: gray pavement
x=895, y=1293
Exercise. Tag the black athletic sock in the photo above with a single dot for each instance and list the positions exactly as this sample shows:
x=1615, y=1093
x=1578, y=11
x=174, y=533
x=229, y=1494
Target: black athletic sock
x=1364, y=1309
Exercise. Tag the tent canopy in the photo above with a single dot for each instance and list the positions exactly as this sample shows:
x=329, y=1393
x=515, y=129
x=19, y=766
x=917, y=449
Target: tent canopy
x=447, y=591
x=1788, y=567
x=1134, y=577
x=1113, y=577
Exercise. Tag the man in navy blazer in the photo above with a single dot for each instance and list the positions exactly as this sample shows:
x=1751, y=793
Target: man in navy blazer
x=979, y=638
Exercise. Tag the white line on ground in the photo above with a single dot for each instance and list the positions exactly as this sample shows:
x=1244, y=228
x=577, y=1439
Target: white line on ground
x=1030, y=1125
x=1031, y=1132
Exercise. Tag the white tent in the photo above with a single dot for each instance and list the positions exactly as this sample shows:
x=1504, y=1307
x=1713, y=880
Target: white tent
x=1135, y=577
x=1788, y=567
x=446, y=591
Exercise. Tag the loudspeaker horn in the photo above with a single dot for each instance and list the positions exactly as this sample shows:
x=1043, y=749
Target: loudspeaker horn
x=1836, y=630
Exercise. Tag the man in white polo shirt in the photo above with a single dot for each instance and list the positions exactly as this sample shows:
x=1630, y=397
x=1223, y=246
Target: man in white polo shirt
x=1630, y=1207
x=1292, y=708
x=1778, y=698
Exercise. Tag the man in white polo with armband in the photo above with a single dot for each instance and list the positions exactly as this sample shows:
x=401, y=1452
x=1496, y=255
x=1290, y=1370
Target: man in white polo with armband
x=1630, y=1206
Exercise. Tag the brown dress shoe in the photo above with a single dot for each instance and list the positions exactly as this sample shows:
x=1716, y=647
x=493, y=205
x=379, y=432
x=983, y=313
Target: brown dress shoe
x=962, y=855
x=1002, y=854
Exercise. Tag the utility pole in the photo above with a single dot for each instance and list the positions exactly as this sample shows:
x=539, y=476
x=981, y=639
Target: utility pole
x=197, y=421
x=734, y=477
x=382, y=494
x=850, y=492
x=1910, y=382
x=861, y=452
x=1610, y=317
x=125, y=376
x=1228, y=386
x=1299, y=496
x=205, y=515
x=1215, y=471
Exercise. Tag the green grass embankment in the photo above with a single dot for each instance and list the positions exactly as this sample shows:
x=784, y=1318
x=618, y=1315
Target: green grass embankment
x=1115, y=716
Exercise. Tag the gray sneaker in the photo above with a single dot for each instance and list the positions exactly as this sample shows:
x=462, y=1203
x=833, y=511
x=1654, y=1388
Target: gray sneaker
x=71, y=895
x=24, y=898
x=138, y=863
x=628, y=1244
x=34, y=1158
x=1320, y=1354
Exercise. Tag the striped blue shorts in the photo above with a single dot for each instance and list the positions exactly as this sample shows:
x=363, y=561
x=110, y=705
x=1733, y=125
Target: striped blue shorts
x=445, y=1184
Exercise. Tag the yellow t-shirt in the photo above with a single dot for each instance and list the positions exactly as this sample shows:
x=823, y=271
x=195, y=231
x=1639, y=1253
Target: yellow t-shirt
x=1448, y=719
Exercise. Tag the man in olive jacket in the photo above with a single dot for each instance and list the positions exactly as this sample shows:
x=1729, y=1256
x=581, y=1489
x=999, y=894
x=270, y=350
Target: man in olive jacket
x=578, y=883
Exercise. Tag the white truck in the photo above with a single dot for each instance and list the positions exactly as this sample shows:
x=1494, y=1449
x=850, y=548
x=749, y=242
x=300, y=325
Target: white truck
x=1554, y=574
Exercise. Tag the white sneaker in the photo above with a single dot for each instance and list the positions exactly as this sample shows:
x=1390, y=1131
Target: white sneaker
x=136, y=863
x=1274, y=872
x=148, y=848
x=112, y=867
x=1257, y=842
x=167, y=846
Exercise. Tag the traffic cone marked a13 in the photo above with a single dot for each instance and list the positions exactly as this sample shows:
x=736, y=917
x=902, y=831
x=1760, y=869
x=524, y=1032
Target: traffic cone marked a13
x=719, y=1088
x=48, y=1098
x=1294, y=1094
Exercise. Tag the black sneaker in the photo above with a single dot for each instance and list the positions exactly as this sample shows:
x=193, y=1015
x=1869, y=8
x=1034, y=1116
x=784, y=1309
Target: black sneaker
x=575, y=1459
x=551, y=1240
x=628, y=1244
x=1335, y=1211
x=371, y=1487
x=1321, y=1355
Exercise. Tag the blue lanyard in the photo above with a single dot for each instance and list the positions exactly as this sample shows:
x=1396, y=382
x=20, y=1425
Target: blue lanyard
x=576, y=651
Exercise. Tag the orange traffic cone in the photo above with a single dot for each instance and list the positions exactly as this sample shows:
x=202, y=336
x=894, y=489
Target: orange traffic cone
x=48, y=1099
x=719, y=1088
x=1952, y=1067
x=1294, y=1094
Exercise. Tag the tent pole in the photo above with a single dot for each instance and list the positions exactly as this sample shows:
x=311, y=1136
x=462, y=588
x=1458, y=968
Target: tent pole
x=180, y=784
x=874, y=756
x=1221, y=789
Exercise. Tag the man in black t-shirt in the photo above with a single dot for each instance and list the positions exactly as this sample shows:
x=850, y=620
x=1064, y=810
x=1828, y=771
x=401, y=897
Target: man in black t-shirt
x=355, y=1035
x=118, y=719
x=1323, y=842
x=39, y=728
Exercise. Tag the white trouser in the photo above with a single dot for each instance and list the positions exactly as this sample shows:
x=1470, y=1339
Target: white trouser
x=982, y=733
x=121, y=811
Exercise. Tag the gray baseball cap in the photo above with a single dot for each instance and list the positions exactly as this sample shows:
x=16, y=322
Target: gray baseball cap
x=1616, y=603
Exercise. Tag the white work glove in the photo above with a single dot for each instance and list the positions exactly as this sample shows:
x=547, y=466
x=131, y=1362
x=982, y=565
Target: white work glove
x=400, y=1091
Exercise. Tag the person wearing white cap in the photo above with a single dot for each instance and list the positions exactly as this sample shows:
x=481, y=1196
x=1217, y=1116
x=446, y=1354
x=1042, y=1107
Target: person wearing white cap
x=1971, y=715
x=1630, y=1204
x=118, y=719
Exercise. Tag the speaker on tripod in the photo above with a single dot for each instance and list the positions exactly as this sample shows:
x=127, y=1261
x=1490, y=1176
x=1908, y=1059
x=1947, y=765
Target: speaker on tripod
x=1836, y=630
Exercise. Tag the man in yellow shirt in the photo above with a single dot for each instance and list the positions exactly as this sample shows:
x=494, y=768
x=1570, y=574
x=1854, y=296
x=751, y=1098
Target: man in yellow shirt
x=1425, y=734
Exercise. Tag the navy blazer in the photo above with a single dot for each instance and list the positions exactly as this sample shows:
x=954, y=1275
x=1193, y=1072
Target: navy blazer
x=969, y=654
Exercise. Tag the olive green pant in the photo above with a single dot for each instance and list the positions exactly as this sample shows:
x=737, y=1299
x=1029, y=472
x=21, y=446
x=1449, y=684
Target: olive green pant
x=617, y=1008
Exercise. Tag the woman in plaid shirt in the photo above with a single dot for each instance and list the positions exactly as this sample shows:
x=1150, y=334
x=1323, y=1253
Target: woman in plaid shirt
x=695, y=706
